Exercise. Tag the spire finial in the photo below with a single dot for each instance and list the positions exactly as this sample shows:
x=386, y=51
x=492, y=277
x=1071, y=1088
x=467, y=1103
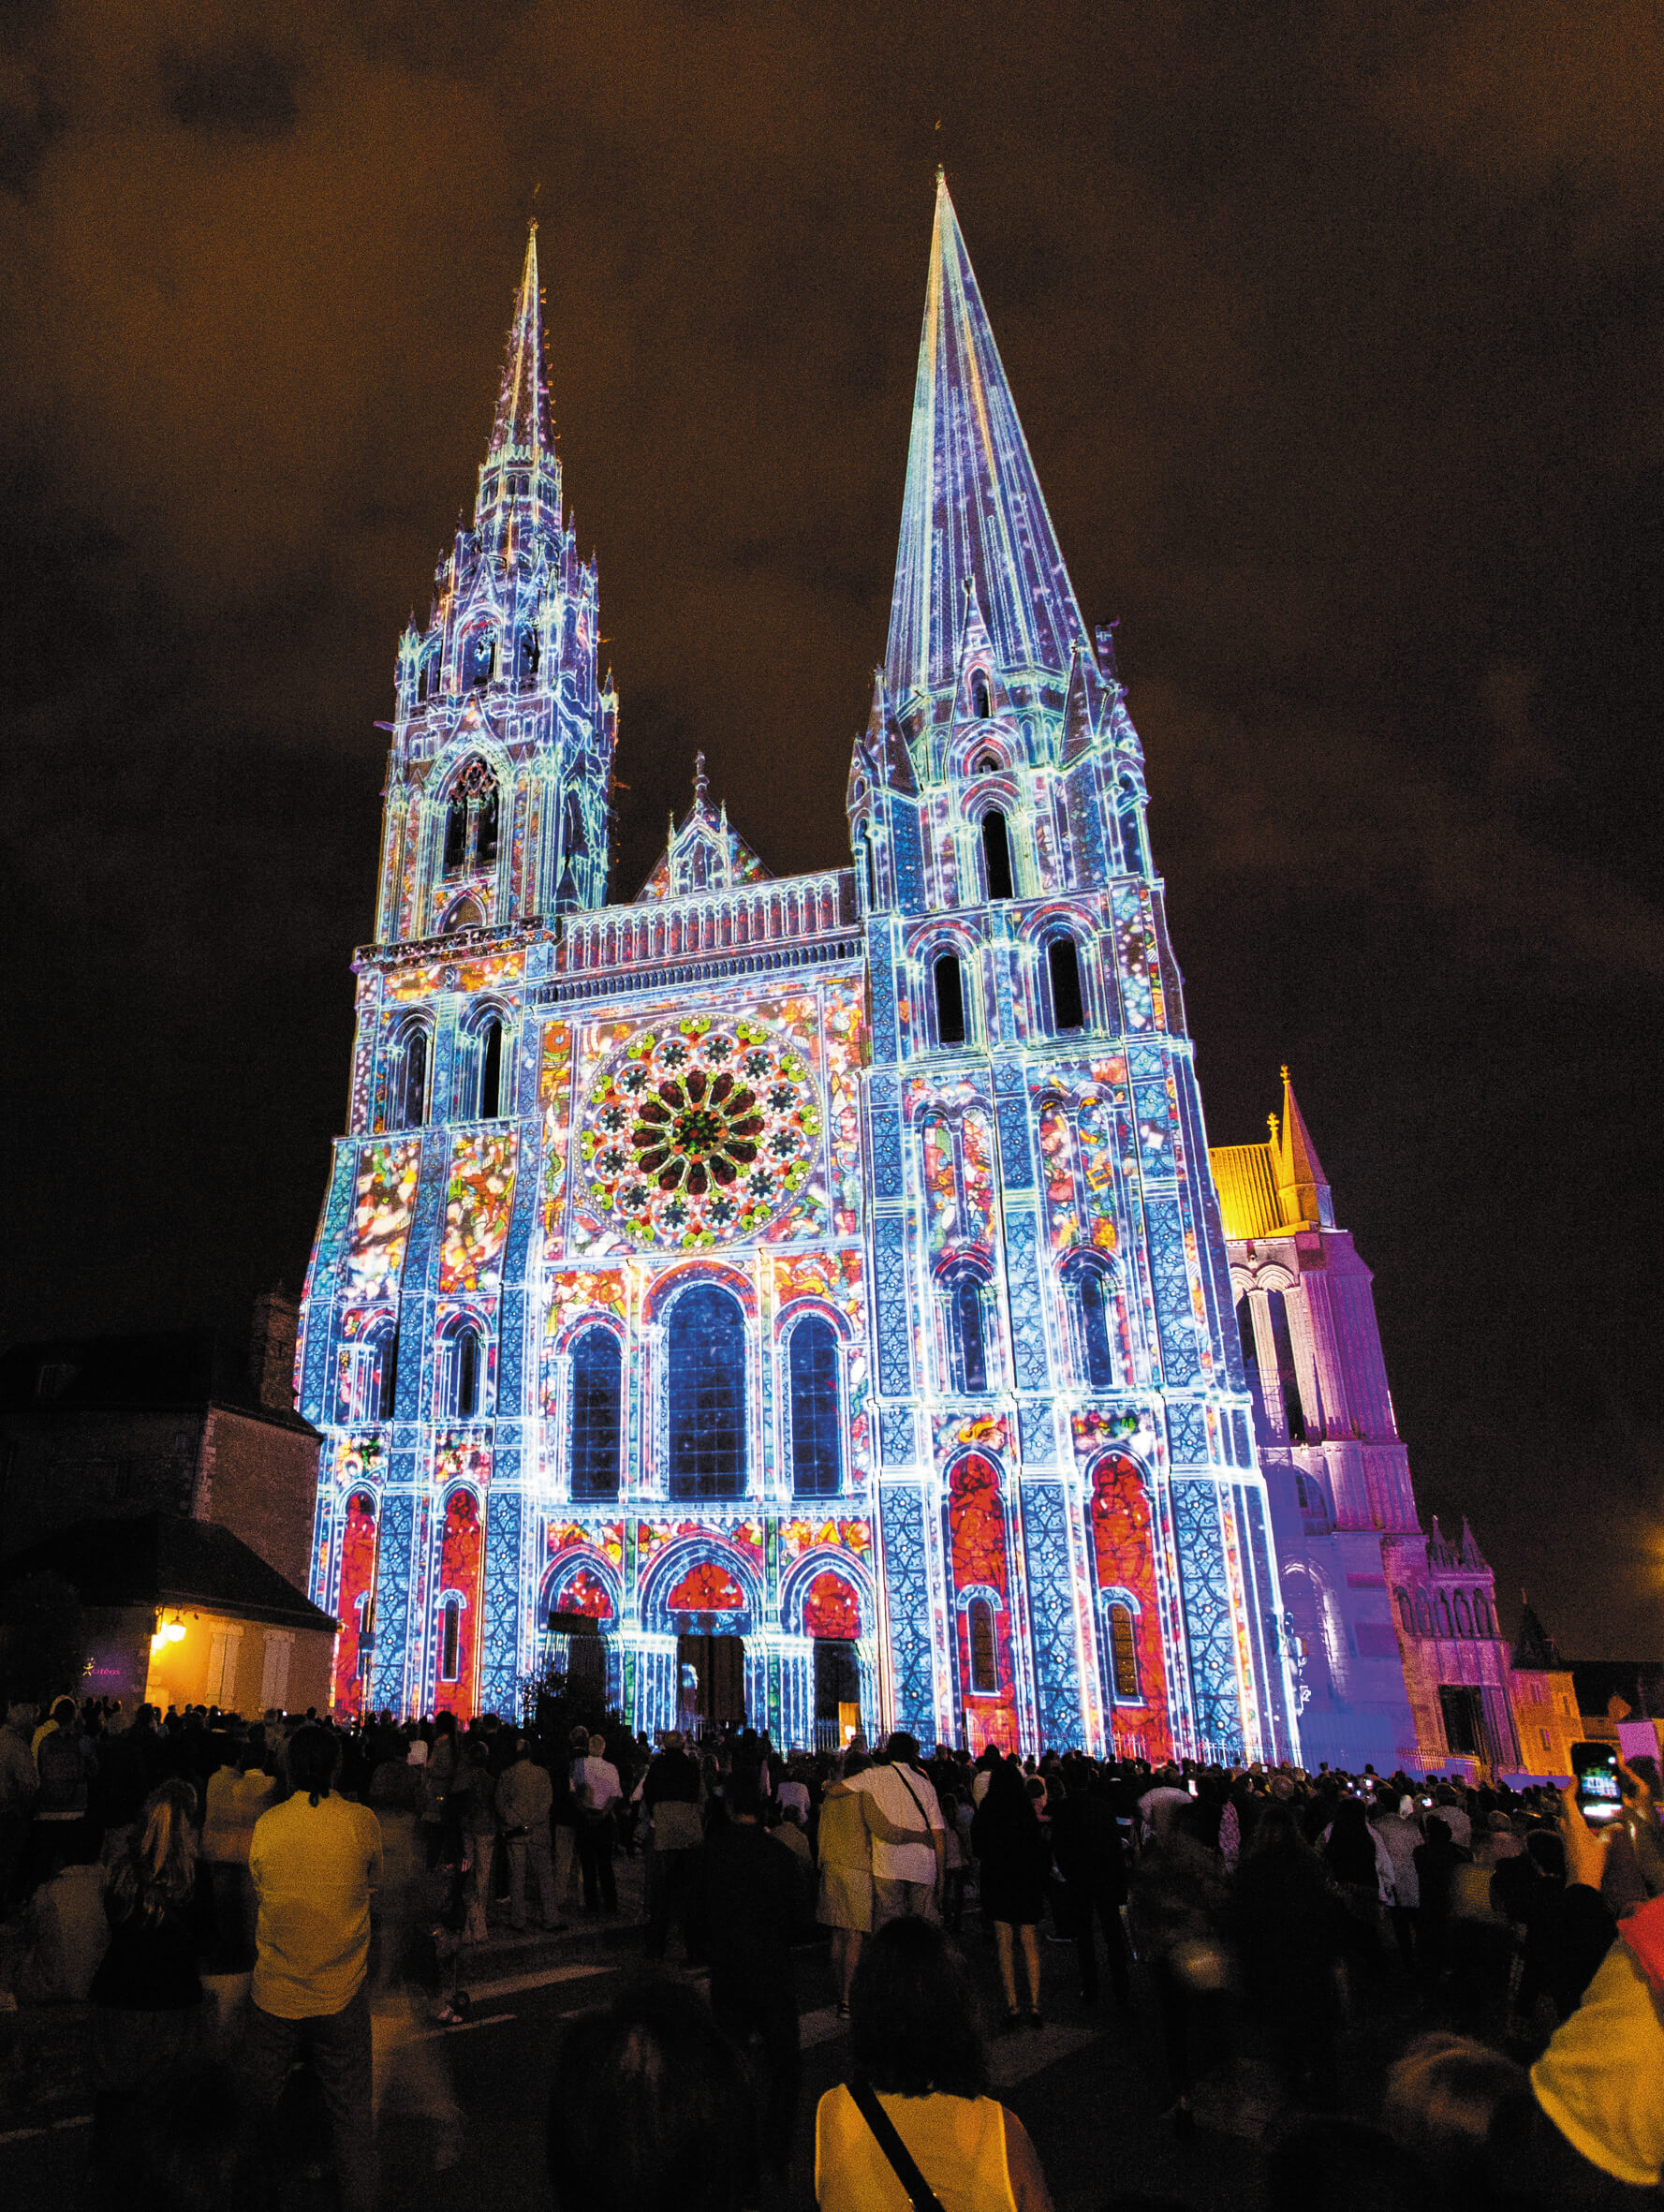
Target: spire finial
x=700, y=784
x=521, y=424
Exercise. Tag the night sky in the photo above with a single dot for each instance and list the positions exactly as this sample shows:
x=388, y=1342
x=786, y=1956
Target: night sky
x=1338, y=335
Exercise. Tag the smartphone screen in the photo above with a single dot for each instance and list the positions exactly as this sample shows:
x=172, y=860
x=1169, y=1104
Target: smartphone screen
x=1600, y=1793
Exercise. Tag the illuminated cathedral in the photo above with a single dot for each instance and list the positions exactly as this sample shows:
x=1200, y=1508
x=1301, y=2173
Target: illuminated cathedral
x=808, y=1296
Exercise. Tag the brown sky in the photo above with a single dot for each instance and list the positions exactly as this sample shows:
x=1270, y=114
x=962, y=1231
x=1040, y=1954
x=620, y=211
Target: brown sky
x=1336, y=332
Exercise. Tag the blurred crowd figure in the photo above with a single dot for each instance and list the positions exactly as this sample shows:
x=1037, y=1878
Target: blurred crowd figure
x=276, y=1916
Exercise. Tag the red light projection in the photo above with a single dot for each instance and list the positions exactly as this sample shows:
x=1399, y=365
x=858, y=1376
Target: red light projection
x=832, y=1609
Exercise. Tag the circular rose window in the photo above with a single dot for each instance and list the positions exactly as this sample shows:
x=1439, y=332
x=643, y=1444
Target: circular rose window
x=700, y=1133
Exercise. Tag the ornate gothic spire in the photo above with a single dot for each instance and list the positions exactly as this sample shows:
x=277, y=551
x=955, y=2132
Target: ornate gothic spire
x=522, y=427
x=973, y=514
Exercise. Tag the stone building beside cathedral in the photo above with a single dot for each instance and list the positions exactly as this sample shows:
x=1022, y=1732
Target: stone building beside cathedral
x=819, y=1283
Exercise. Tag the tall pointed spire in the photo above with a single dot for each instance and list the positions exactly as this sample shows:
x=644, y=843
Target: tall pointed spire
x=1302, y=1187
x=973, y=511
x=521, y=426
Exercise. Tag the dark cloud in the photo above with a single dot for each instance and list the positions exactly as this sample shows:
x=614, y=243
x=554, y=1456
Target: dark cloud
x=1337, y=333
x=244, y=92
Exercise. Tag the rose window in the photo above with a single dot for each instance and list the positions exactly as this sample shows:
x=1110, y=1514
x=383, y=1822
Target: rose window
x=700, y=1133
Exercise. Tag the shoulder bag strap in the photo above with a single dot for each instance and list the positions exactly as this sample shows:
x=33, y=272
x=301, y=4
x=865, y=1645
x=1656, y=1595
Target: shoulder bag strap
x=919, y=2194
x=913, y=1796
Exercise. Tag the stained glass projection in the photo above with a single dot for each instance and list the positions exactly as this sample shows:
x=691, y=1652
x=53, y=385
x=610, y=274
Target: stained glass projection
x=458, y=1608
x=355, y=1600
x=705, y=1349
x=816, y=1431
x=597, y=1407
x=832, y=1609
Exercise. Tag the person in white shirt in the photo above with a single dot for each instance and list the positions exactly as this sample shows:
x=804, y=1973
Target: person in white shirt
x=597, y=1789
x=909, y=1837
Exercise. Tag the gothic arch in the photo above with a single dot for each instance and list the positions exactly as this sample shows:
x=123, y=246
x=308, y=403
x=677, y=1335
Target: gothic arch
x=807, y=1570
x=678, y=1559
x=576, y=1559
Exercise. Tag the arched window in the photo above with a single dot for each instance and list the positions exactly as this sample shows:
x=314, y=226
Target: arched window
x=816, y=1431
x=996, y=854
x=451, y=1640
x=864, y=846
x=1407, y=1612
x=1245, y=1330
x=1444, y=1614
x=979, y=696
x=1423, y=1614
x=526, y=654
x=1095, y=1296
x=1132, y=849
x=597, y=1413
x=387, y=1375
x=1463, y=1616
x=1483, y=1622
x=471, y=820
x=705, y=1393
x=984, y=1651
x=1063, y=973
x=456, y=836
x=1287, y=1375
x=481, y=659
x=985, y=765
x=427, y=677
x=410, y=1079
x=967, y=1351
x=1124, y=1653
x=950, y=993
x=489, y=1103
x=465, y=1373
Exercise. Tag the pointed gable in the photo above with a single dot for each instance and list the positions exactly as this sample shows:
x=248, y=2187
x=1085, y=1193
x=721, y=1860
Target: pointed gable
x=973, y=514
x=704, y=853
x=1302, y=1185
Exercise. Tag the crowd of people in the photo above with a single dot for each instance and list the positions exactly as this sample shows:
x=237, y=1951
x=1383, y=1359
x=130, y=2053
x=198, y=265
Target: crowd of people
x=236, y=1901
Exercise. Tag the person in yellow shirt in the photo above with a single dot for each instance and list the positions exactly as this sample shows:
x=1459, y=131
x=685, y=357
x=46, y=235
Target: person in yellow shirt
x=314, y=1861
x=919, y=2094
x=1601, y=2079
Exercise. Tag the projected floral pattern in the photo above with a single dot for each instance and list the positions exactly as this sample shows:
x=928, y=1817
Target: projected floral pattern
x=831, y=1609
x=1124, y=1556
x=583, y=1592
x=382, y=1206
x=702, y=1133
x=476, y=1202
x=358, y=1582
x=707, y=1588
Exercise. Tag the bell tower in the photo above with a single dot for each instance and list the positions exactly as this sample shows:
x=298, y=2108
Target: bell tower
x=501, y=764
x=1069, y=1486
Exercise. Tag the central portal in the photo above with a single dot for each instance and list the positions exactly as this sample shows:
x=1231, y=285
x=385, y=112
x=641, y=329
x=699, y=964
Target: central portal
x=711, y=1672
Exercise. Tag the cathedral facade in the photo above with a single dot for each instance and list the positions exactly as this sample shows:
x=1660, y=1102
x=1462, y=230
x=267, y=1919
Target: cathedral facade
x=808, y=1297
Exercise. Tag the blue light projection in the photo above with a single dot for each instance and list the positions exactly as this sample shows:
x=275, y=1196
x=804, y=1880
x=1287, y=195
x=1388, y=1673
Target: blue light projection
x=737, y=1194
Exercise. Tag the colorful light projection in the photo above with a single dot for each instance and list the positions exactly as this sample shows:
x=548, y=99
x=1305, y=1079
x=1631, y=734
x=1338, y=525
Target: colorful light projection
x=707, y=1587
x=1124, y=1564
x=698, y=1134
x=355, y=1601
x=832, y=1610
x=582, y=1591
x=458, y=1624
x=384, y=1201
x=980, y=1553
x=476, y=1203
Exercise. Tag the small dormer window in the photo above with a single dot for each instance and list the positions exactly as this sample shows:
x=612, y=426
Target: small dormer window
x=979, y=696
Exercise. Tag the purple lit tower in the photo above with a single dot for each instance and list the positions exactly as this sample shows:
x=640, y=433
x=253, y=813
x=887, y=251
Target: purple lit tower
x=1394, y=1633
x=817, y=1283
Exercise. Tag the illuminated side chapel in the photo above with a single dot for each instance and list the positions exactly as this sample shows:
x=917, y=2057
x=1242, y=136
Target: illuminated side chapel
x=815, y=1283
